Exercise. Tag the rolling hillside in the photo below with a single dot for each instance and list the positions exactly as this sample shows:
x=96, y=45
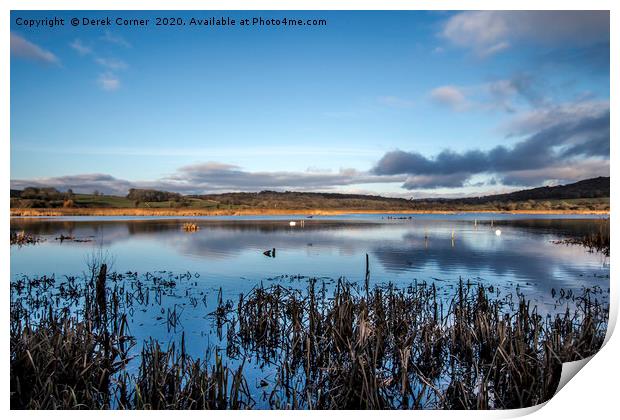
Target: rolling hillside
x=589, y=194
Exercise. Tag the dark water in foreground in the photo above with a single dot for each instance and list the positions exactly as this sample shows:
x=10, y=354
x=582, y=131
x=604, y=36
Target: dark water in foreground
x=515, y=253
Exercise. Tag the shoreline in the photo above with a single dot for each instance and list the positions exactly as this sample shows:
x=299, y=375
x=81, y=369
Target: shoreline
x=59, y=212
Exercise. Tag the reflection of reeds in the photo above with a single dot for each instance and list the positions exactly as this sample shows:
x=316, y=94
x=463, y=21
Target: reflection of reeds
x=351, y=347
x=170, y=379
x=598, y=240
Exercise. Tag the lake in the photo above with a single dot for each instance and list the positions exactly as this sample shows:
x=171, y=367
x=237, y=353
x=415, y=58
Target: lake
x=225, y=257
x=228, y=252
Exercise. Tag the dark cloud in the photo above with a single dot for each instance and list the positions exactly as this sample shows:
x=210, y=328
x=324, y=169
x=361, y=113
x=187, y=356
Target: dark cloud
x=214, y=176
x=84, y=183
x=456, y=180
x=570, y=143
x=596, y=57
x=540, y=118
x=527, y=87
x=446, y=163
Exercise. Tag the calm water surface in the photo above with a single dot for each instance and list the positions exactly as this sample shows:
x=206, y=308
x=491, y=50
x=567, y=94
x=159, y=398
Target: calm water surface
x=228, y=252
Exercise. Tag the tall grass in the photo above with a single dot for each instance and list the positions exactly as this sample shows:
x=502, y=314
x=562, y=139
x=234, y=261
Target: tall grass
x=249, y=211
x=343, y=346
x=396, y=348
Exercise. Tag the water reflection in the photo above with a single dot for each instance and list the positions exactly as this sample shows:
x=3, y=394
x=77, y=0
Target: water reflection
x=400, y=250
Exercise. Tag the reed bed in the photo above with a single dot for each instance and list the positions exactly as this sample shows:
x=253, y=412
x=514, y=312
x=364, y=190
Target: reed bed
x=70, y=349
x=341, y=346
x=64, y=361
x=22, y=238
x=190, y=227
x=105, y=211
x=404, y=348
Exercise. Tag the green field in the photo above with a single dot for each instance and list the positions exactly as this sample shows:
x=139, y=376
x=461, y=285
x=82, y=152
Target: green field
x=112, y=201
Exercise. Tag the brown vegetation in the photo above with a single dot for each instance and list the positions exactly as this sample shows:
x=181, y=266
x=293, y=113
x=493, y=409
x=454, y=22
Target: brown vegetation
x=23, y=238
x=190, y=227
x=354, y=347
x=31, y=212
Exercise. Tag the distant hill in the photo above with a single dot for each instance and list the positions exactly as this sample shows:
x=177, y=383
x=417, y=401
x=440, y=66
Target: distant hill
x=588, y=188
x=589, y=194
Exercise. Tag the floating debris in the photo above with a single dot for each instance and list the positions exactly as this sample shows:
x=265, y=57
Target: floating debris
x=71, y=238
x=191, y=227
x=270, y=253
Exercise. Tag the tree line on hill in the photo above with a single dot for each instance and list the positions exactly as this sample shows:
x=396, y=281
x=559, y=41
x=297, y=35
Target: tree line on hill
x=586, y=194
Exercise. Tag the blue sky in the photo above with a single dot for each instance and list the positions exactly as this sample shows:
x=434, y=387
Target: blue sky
x=393, y=103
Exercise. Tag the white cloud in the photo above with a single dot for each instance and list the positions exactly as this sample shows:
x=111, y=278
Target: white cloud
x=493, y=49
x=111, y=63
x=20, y=47
x=82, y=49
x=489, y=32
x=451, y=96
x=480, y=30
x=115, y=39
x=395, y=102
x=498, y=95
x=109, y=82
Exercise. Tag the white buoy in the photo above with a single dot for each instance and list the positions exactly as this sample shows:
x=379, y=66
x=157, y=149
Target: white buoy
x=498, y=232
x=292, y=223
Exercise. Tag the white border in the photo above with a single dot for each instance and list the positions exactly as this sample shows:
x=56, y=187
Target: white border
x=593, y=394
